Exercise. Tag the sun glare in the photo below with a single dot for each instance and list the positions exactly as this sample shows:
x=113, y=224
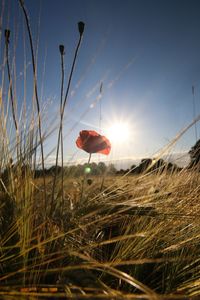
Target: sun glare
x=118, y=132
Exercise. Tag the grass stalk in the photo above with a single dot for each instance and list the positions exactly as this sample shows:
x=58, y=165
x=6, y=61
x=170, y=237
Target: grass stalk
x=61, y=103
x=62, y=52
x=36, y=98
x=81, y=30
x=7, y=36
x=7, y=41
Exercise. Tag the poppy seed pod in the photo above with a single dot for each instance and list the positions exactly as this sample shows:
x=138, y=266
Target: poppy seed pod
x=62, y=49
x=7, y=35
x=89, y=181
x=81, y=26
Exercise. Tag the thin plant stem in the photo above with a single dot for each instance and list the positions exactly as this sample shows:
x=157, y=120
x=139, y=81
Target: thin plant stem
x=36, y=97
x=62, y=112
x=7, y=33
x=61, y=103
x=85, y=176
x=61, y=48
x=89, y=158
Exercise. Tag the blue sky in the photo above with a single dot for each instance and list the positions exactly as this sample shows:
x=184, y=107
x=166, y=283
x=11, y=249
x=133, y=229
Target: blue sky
x=146, y=53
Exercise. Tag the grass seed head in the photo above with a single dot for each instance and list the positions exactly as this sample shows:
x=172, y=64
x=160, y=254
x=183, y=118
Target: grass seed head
x=81, y=27
x=7, y=35
x=62, y=49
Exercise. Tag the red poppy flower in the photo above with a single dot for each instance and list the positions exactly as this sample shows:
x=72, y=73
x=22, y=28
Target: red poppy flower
x=93, y=142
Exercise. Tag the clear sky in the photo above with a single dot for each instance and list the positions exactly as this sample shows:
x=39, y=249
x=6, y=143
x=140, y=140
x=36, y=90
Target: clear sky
x=146, y=53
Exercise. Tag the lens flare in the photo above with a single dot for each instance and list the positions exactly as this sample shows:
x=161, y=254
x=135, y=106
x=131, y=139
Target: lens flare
x=87, y=170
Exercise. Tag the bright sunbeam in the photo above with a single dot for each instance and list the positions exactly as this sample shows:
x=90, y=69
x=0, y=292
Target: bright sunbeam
x=118, y=132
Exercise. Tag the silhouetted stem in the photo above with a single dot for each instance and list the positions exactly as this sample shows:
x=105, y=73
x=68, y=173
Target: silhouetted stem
x=36, y=97
x=61, y=47
x=7, y=34
x=62, y=158
x=90, y=155
x=63, y=110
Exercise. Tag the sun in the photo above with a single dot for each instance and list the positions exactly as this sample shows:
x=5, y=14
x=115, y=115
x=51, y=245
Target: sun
x=118, y=132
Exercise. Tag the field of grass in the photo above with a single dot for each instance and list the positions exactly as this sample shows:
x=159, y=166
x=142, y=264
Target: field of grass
x=115, y=237
x=138, y=238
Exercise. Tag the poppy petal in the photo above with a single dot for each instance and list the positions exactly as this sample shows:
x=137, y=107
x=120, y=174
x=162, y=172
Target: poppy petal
x=79, y=142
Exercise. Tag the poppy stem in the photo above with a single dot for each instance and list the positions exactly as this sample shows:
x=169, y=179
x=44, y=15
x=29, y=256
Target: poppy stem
x=89, y=158
x=84, y=178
